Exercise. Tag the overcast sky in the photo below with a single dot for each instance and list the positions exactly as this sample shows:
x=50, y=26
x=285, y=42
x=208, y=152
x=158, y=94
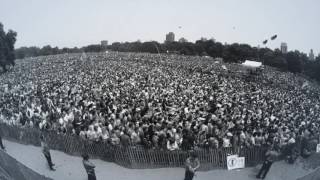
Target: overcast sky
x=81, y=22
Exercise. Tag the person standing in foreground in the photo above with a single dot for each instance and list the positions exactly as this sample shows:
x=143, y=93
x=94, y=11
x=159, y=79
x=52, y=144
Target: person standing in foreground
x=1, y=144
x=271, y=156
x=89, y=166
x=46, y=153
x=192, y=165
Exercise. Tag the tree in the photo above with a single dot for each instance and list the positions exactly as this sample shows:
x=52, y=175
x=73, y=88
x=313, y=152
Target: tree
x=11, y=40
x=23, y=52
x=274, y=59
x=151, y=47
x=231, y=53
x=2, y=47
x=93, y=48
x=215, y=50
x=294, y=62
x=46, y=50
x=7, y=41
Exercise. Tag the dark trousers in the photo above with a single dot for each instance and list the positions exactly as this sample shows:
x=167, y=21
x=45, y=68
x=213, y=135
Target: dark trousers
x=92, y=176
x=264, y=169
x=188, y=175
x=48, y=157
x=1, y=144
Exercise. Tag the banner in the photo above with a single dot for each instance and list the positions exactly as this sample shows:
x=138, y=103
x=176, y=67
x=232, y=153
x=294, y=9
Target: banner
x=235, y=162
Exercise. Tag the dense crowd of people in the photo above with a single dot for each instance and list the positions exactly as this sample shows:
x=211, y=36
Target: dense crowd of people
x=160, y=101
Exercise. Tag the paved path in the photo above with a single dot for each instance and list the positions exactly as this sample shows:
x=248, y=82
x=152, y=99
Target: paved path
x=70, y=168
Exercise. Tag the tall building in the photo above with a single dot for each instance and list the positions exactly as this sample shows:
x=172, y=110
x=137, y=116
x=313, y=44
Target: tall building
x=104, y=43
x=170, y=37
x=311, y=55
x=284, y=48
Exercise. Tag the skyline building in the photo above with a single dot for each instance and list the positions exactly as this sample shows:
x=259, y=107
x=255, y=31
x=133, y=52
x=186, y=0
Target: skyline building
x=311, y=55
x=104, y=43
x=170, y=37
x=284, y=47
x=183, y=40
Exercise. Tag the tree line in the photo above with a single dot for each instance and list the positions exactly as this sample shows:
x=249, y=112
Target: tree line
x=293, y=61
x=34, y=51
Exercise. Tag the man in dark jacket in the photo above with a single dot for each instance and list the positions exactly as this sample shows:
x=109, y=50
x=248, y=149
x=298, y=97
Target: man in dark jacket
x=192, y=165
x=46, y=153
x=271, y=156
x=89, y=166
x=1, y=144
x=125, y=139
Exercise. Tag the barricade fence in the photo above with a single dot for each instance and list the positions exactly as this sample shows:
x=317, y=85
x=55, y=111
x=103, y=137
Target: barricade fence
x=135, y=157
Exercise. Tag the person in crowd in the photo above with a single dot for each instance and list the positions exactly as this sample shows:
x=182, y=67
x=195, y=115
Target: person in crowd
x=192, y=165
x=125, y=139
x=89, y=167
x=172, y=144
x=271, y=156
x=46, y=153
x=189, y=99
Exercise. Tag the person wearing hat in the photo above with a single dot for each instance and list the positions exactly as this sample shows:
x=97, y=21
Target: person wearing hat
x=46, y=153
x=89, y=166
x=192, y=165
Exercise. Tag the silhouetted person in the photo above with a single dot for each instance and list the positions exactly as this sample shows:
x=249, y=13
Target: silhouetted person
x=1, y=144
x=192, y=165
x=46, y=153
x=271, y=156
x=89, y=166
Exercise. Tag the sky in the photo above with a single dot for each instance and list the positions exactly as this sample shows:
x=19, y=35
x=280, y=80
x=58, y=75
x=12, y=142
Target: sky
x=69, y=23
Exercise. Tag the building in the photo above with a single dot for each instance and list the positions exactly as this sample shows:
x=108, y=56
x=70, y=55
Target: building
x=170, y=37
x=311, y=55
x=183, y=40
x=203, y=39
x=284, y=48
x=104, y=43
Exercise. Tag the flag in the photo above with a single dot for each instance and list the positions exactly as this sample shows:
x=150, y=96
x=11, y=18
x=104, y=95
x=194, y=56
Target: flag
x=265, y=42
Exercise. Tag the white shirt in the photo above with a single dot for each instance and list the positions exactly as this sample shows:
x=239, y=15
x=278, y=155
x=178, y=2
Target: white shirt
x=226, y=142
x=173, y=146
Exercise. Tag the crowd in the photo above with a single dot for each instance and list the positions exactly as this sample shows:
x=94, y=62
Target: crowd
x=160, y=101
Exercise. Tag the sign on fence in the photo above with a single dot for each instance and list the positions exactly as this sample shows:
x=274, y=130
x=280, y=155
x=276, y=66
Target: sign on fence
x=318, y=148
x=235, y=162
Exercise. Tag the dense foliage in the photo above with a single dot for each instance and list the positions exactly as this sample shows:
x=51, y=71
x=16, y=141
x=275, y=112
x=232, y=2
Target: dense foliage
x=7, y=41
